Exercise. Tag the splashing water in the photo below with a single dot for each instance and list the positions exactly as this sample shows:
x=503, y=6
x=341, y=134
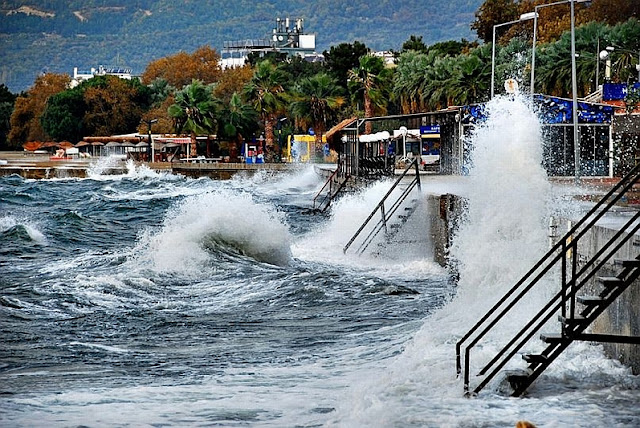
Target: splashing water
x=504, y=233
x=223, y=218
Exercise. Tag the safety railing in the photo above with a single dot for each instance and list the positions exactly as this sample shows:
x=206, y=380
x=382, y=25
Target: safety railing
x=563, y=253
x=386, y=213
x=332, y=186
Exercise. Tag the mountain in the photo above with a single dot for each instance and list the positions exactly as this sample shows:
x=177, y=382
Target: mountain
x=55, y=36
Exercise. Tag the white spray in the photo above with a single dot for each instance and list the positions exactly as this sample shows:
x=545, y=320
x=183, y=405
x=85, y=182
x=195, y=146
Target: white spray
x=504, y=233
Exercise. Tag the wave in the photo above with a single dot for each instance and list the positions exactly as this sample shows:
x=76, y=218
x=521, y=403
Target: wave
x=503, y=234
x=10, y=227
x=195, y=227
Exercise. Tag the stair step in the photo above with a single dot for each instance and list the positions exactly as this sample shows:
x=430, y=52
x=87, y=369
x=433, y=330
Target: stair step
x=553, y=337
x=517, y=378
x=611, y=281
x=577, y=319
x=535, y=358
x=590, y=300
x=628, y=263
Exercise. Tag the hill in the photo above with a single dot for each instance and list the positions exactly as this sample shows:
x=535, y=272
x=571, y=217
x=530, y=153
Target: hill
x=54, y=36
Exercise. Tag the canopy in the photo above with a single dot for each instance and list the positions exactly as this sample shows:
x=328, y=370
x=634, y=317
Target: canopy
x=65, y=145
x=32, y=146
x=173, y=140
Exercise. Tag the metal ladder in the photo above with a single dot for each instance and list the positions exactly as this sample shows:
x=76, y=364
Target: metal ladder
x=386, y=213
x=332, y=187
x=574, y=320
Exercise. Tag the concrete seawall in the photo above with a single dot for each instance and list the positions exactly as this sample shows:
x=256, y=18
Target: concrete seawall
x=623, y=316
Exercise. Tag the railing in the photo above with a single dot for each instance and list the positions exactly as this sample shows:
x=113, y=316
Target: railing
x=594, y=97
x=386, y=214
x=322, y=201
x=564, y=252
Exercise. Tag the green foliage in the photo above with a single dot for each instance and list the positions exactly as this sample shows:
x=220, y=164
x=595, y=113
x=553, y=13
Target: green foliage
x=340, y=59
x=316, y=99
x=237, y=118
x=63, y=117
x=7, y=100
x=414, y=43
x=632, y=100
x=194, y=109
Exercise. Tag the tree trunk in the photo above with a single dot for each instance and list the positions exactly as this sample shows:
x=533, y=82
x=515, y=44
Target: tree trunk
x=319, y=131
x=194, y=145
x=368, y=112
x=268, y=131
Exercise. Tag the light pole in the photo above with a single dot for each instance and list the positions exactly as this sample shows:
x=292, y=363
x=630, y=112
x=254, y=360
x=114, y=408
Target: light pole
x=606, y=53
x=574, y=94
x=523, y=17
x=535, y=32
x=153, y=152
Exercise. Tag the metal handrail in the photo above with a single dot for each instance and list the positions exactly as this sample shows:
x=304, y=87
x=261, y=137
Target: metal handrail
x=329, y=183
x=549, y=260
x=380, y=206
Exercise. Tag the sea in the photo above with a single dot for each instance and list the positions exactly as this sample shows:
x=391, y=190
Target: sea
x=153, y=300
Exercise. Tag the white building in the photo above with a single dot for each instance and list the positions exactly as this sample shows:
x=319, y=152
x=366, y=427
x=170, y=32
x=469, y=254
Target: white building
x=80, y=76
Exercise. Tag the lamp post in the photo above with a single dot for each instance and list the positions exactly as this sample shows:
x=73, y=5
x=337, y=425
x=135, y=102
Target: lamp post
x=404, y=131
x=606, y=53
x=149, y=123
x=535, y=32
x=523, y=17
x=574, y=95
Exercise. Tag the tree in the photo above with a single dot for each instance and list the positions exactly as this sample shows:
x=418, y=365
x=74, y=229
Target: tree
x=471, y=78
x=113, y=105
x=342, y=58
x=194, y=111
x=452, y=47
x=493, y=12
x=316, y=98
x=180, y=69
x=160, y=89
x=63, y=116
x=25, y=119
x=232, y=80
x=237, y=120
x=7, y=100
x=414, y=43
x=275, y=57
x=370, y=80
x=266, y=92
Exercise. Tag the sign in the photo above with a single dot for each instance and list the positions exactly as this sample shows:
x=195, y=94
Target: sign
x=430, y=129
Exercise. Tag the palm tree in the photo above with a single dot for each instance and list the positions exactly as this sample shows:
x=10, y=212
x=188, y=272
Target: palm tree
x=315, y=99
x=266, y=92
x=371, y=80
x=194, y=111
x=237, y=120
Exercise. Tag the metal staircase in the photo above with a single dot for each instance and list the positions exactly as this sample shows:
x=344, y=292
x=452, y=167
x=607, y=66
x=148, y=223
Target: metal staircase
x=574, y=310
x=332, y=187
x=388, y=211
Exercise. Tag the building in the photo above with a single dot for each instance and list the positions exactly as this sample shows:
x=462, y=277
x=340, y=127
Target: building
x=288, y=36
x=80, y=76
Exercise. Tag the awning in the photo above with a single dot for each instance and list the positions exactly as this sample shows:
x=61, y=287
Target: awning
x=173, y=140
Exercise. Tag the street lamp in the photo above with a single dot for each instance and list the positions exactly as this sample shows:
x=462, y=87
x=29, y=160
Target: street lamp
x=605, y=55
x=535, y=31
x=149, y=123
x=523, y=17
x=404, y=131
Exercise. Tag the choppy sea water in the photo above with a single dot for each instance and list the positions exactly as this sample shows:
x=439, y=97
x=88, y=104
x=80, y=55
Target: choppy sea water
x=154, y=300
